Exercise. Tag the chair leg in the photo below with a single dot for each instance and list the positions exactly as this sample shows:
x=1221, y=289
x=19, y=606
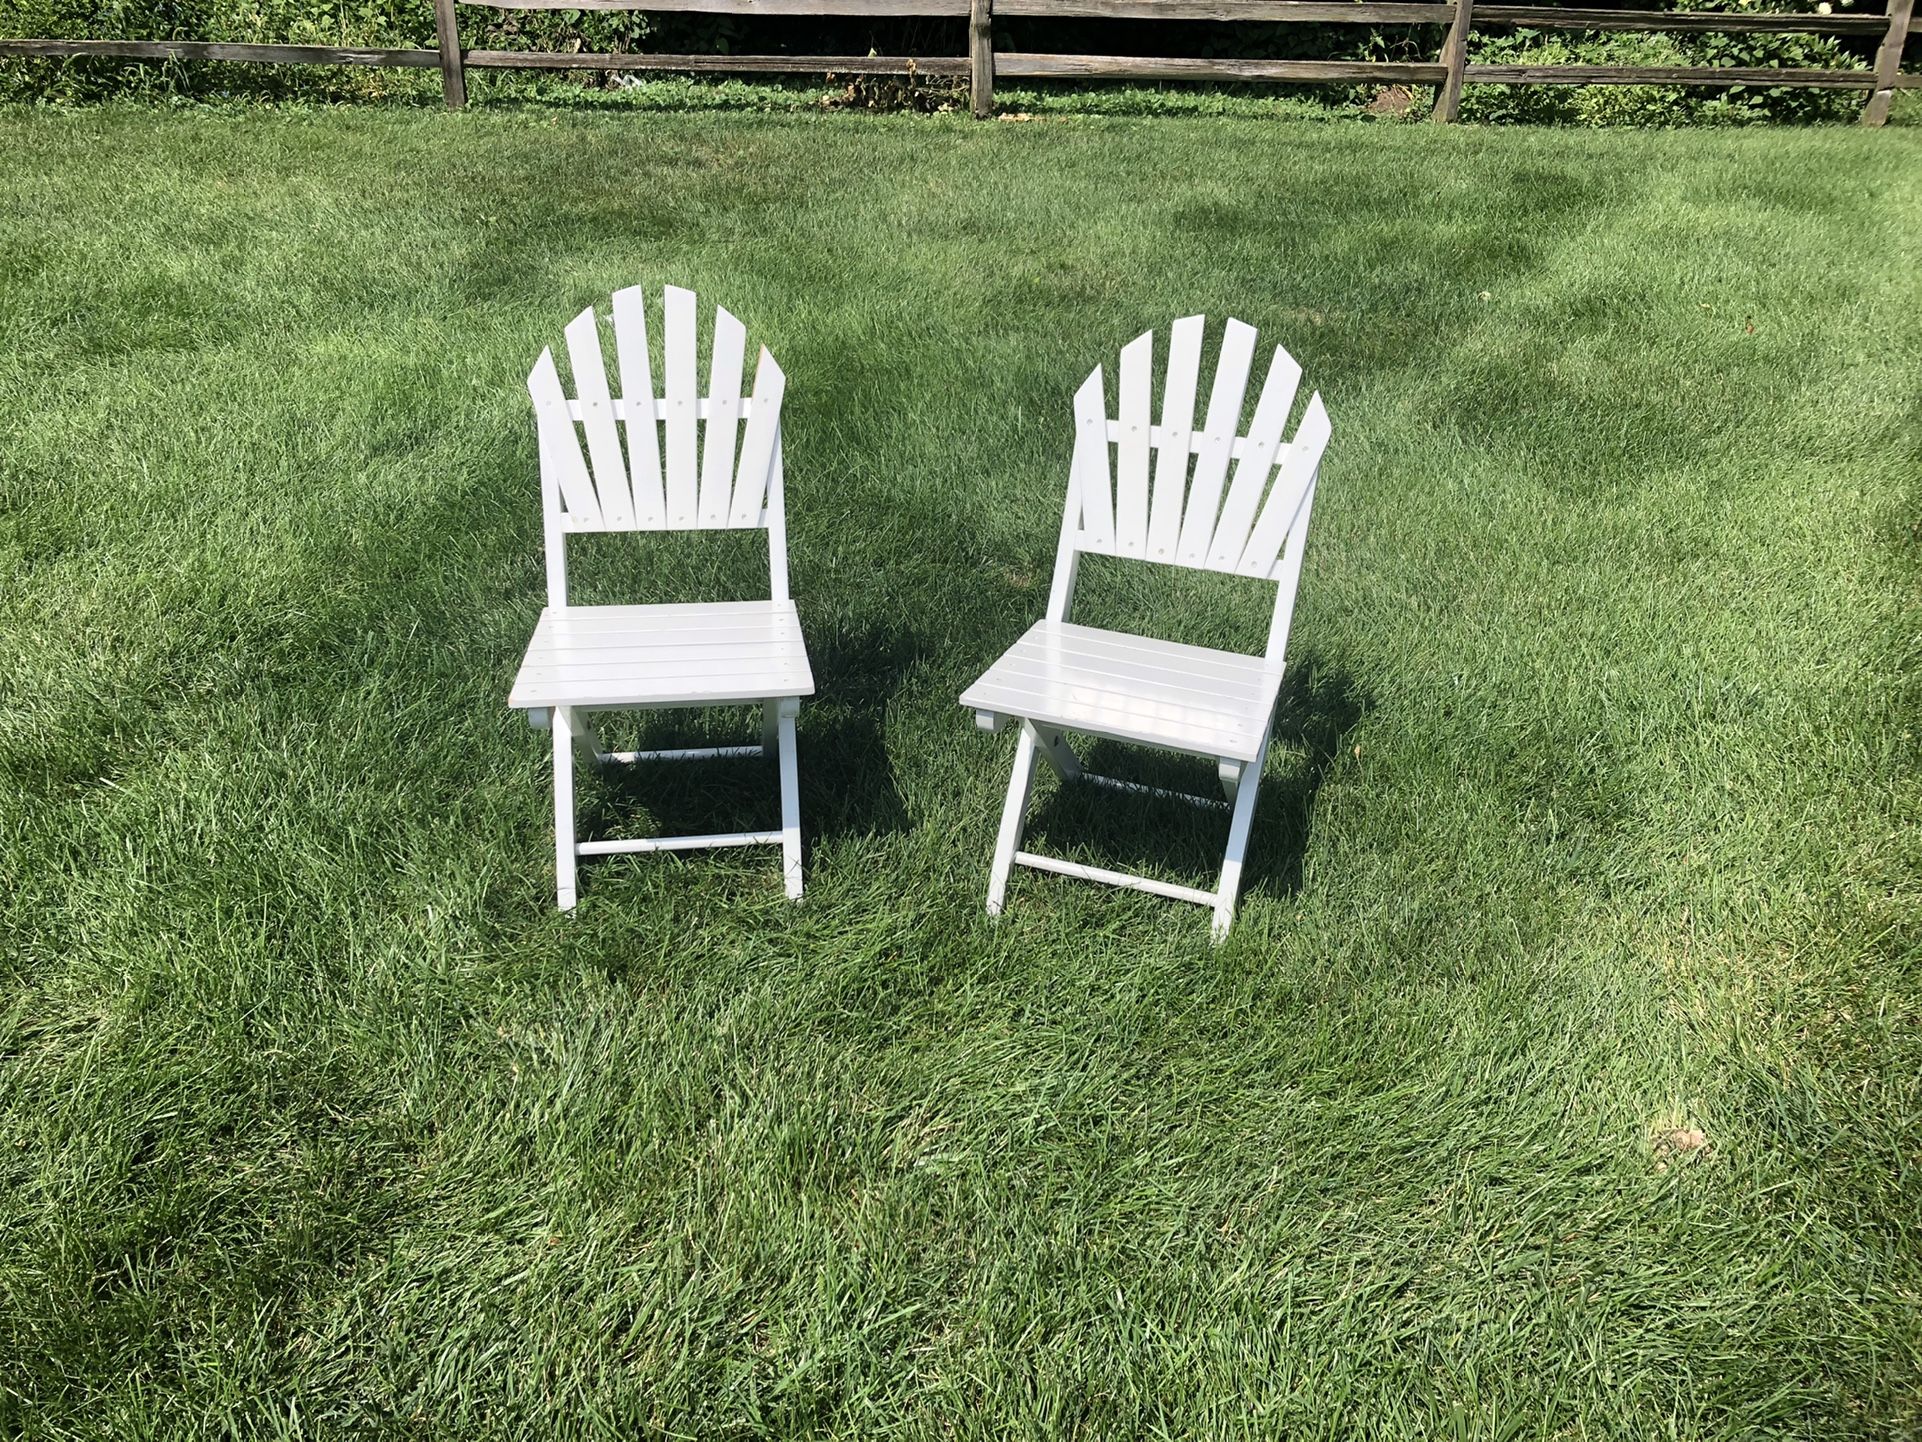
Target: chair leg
x=587, y=742
x=1230, y=773
x=579, y=730
x=1238, y=827
x=1055, y=750
x=790, y=799
x=1013, y=820
x=770, y=726
x=564, y=854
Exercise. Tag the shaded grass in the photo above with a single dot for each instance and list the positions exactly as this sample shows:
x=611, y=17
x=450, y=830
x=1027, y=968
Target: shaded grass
x=1591, y=825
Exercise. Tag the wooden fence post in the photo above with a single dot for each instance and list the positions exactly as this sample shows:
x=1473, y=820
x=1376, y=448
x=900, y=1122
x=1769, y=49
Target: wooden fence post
x=453, y=77
x=1888, y=62
x=1454, y=55
x=981, y=57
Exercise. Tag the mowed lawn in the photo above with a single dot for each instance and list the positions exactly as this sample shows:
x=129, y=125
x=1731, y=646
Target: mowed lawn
x=1561, y=1078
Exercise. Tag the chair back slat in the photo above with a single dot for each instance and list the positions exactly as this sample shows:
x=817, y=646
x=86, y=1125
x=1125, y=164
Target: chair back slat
x=560, y=447
x=758, y=444
x=597, y=420
x=1135, y=417
x=682, y=408
x=722, y=430
x=1289, y=495
x=637, y=393
x=1256, y=466
x=1094, y=494
x=1216, y=443
x=1174, y=450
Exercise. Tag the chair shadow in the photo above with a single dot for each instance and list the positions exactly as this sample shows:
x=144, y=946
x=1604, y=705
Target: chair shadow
x=847, y=781
x=1318, y=706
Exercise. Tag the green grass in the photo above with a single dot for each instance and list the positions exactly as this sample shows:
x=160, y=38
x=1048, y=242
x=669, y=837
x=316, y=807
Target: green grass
x=1594, y=820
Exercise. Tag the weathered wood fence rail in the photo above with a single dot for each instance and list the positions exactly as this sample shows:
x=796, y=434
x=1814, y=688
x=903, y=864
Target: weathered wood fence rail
x=983, y=64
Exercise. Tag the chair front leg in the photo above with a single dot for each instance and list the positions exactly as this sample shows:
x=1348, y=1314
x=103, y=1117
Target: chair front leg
x=1013, y=820
x=564, y=853
x=790, y=797
x=1238, y=827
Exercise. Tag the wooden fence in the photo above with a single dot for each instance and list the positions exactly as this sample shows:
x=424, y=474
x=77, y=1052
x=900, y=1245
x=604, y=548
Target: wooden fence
x=983, y=64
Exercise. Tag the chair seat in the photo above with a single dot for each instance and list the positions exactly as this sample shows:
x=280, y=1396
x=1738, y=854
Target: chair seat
x=1158, y=693
x=698, y=655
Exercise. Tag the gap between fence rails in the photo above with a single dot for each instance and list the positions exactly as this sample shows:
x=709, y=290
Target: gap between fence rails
x=983, y=64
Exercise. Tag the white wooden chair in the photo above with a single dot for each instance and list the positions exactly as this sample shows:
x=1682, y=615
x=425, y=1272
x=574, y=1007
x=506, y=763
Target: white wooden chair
x=1063, y=677
x=718, y=469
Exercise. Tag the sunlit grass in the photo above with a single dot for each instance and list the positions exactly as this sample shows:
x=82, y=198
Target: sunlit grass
x=1561, y=1075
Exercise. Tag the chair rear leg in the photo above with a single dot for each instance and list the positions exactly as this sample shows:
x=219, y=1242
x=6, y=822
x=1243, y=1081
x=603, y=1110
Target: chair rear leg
x=1238, y=827
x=770, y=726
x=564, y=853
x=790, y=799
x=1014, y=815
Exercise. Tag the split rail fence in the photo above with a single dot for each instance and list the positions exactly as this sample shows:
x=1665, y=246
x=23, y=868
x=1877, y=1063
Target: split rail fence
x=983, y=65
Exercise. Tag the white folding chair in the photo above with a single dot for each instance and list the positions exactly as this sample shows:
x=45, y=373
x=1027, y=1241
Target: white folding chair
x=1062, y=677
x=719, y=469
